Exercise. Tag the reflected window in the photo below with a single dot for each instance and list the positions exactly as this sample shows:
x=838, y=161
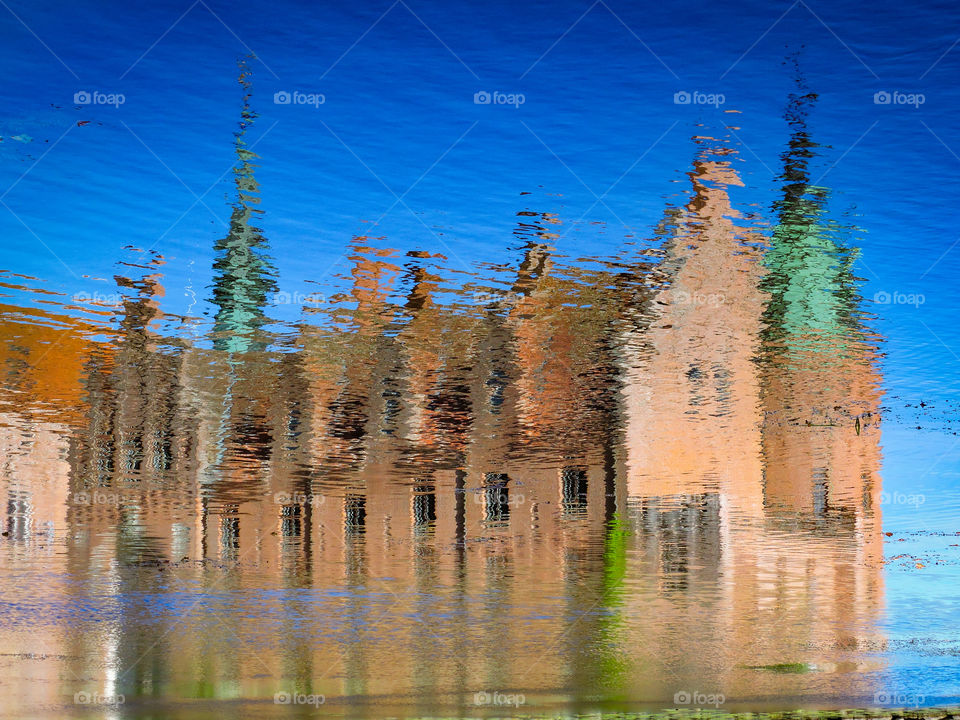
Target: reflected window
x=573, y=486
x=496, y=384
x=424, y=508
x=290, y=522
x=355, y=513
x=687, y=530
x=496, y=498
x=230, y=532
x=18, y=514
x=820, y=492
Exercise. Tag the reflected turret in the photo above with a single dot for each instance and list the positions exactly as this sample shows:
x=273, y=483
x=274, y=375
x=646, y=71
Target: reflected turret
x=245, y=274
x=819, y=379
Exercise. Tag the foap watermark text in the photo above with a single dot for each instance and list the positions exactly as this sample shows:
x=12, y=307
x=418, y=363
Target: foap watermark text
x=696, y=97
x=95, y=97
x=295, y=97
x=697, y=698
x=496, y=97
x=883, y=97
x=499, y=699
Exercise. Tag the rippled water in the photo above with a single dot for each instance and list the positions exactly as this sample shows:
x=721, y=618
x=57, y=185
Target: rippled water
x=636, y=393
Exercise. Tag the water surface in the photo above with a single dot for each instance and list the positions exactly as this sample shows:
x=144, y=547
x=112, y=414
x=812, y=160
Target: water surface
x=636, y=394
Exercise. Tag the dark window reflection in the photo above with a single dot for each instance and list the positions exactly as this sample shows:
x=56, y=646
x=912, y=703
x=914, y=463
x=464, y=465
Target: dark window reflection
x=574, y=490
x=496, y=498
x=355, y=513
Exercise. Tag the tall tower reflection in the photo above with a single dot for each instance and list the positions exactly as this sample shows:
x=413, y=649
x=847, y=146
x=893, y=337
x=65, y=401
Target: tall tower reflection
x=821, y=387
x=747, y=409
x=244, y=272
x=821, y=394
x=691, y=389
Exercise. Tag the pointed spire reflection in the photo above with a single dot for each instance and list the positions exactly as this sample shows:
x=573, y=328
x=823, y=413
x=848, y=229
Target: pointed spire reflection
x=245, y=275
x=820, y=383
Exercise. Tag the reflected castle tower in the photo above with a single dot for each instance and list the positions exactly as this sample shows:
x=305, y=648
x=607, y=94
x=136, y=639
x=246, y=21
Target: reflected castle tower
x=821, y=387
x=691, y=393
x=245, y=274
x=750, y=426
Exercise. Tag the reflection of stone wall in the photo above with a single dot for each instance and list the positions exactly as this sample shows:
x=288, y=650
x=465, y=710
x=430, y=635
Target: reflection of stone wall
x=33, y=497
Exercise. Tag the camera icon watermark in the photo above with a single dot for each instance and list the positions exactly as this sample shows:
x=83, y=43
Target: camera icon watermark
x=95, y=497
x=498, y=497
x=698, y=699
x=484, y=297
x=295, y=498
x=696, y=97
x=296, y=698
x=896, y=97
x=682, y=297
x=296, y=298
x=898, y=699
x=899, y=298
x=95, y=97
x=295, y=97
x=499, y=699
x=483, y=97
x=95, y=698
x=97, y=298
x=899, y=498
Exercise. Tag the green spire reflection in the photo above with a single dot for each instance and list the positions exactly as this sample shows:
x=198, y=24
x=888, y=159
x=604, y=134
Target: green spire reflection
x=813, y=291
x=244, y=272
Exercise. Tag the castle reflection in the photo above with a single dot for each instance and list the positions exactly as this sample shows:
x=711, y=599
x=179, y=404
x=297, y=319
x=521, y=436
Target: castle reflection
x=599, y=481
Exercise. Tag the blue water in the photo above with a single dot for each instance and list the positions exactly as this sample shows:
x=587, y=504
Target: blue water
x=400, y=152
